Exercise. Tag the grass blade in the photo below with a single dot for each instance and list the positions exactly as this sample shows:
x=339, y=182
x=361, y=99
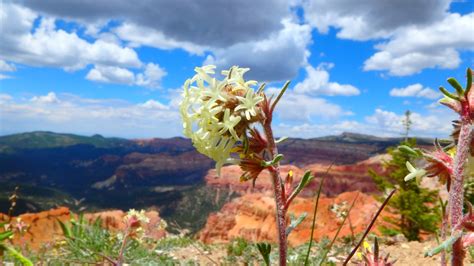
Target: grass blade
x=314, y=214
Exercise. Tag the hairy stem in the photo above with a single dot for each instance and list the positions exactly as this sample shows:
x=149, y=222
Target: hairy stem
x=456, y=194
x=277, y=188
x=444, y=227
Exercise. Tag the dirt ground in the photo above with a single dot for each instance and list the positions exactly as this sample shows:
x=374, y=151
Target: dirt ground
x=405, y=253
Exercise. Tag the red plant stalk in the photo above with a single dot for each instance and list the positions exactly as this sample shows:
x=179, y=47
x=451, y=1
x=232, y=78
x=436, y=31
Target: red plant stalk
x=456, y=194
x=277, y=188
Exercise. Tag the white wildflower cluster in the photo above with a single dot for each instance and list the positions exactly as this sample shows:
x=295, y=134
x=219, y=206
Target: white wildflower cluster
x=216, y=113
x=134, y=215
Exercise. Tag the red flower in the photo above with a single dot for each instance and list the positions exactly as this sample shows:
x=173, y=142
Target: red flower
x=439, y=163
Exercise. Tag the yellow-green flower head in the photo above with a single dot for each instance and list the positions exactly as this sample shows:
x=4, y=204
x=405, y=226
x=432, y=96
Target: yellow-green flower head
x=139, y=216
x=216, y=113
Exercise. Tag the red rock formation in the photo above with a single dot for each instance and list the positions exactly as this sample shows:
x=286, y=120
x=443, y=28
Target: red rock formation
x=252, y=217
x=340, y=178
x=44, y=229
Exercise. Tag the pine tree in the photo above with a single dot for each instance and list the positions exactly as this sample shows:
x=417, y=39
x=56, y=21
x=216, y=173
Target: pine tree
x=414, y=205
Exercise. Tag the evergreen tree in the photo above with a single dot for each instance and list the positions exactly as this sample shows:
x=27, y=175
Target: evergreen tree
x=414, y=205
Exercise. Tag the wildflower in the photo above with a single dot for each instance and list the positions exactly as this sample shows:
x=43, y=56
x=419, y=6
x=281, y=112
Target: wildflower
x=135, y=218
x=252, y=167
x=21, y=226
x=217, y=113
x=249, y=103
x=439, y=163
x=414, y=173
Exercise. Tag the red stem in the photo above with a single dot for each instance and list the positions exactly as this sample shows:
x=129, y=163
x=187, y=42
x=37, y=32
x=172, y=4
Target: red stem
x=456, y=194
x=277, y=188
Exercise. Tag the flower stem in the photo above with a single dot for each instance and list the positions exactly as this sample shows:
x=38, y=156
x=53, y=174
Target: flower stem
x=456, y=193
x=277, y=188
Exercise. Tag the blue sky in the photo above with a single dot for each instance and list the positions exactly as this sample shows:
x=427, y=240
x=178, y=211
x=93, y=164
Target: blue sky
x=116, y=68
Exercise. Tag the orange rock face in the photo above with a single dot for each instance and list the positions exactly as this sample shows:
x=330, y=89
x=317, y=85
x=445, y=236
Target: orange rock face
x=339, y=179
x=43, y=227
x=252, y=217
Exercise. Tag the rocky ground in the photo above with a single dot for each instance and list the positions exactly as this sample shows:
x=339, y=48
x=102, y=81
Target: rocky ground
x=405, y=253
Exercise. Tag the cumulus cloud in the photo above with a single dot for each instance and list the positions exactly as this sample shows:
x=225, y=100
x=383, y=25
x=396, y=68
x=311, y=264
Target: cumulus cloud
x=277, y=57
x=45, y=99
x=111, y=74
x=317, y=83
x=430, y=124
x=311, y=130
x=145, y=36
x=384, y=123
x=415, y=48
x=4, y=66
x=152, y=104
x=71, y=113
x=150, y=78
x=46, y=45
x=369, y=19
x=417, y=34
x=221, y=23
x=415, y=90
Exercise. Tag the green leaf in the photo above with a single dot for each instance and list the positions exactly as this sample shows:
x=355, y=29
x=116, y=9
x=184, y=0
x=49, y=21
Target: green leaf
x=305, y=180
x=280, y=140
x=456, y=86
x=5, y=235
x=469, y=80
x=265, y=250
x=409, y=150
x=273, y=162
x=66, y=229
x=261, y=88
x=17, y=255
x=448, y=94
x=295, y=222
x=280, y=95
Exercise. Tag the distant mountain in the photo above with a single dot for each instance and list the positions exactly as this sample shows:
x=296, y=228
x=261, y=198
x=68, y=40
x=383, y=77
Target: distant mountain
x=53, y=168
x=46, y=139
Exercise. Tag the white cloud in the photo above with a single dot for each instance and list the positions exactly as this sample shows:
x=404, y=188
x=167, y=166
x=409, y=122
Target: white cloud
x=5, y=97
x=277, y=57
x=300, y=107
x=45, y=99
x=71, y=113
x=2, y=76
x=417, y=34
x=415, y=48
x=369, y=19
x=151, y=77
x=317, y=83
x=47, y=46
x=309, y=130
x=415, y=90
x=4, y=66
x=222, y=23
x=429, y=125
x=111, y=74
x=152, y=104
x=147, y=36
